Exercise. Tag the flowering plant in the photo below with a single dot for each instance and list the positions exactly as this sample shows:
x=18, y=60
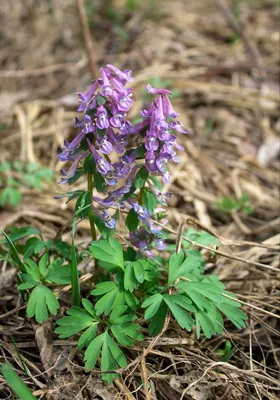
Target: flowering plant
x=125, y=166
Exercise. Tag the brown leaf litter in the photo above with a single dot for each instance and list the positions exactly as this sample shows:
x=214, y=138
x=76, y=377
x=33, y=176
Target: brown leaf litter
x=223, y=59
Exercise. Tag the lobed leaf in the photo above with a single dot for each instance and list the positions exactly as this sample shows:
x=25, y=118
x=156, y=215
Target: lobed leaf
x=108, y=250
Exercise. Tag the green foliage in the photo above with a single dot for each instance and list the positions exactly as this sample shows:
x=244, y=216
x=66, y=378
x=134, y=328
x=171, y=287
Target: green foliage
x=194, y=296
x=109, y=252
x=200, y=237
x=40, y=301
x=228, y=204
x=36, y=277
x=141, y=178
x=225, y=353
x=10, y=195
x=132, y=220
x=119, y=327
x=18, y=386
x=75, y=283
x=17, y=175
x=150, y=202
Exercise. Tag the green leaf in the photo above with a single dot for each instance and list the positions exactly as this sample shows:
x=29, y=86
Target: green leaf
x=152, y=304
x=18, y=386
x=105, y=304
x=111, y=356
x=234, y=314
x=93, y=350
x=156, y=182
x=100, y=100
x=14, y=253
x=103, y=287
x=130, y=282
x=89, y=165
x=201, y=237
x=88, y=336
x=207, y=324
x=33, y=270
x=77, y=320
x=75, y=283
x=178, y=307
x=5, y=166
x=102, y=228
x=131, y=300
x=200, y=292
x=108, y=251
x=174, y=263
x=79, y=172
x=88, y=307
x=20, y=233
x=82, y=205
x=139, y=271
x=60, y=274
x=40, y=301
x=132, y=220
x=157, y=322
x=10, y=195
x=26, y=285
x=150, y=201
x=43, y=265
x=178, y=268
x=99, y=182
x=140, y=151
x=141, y=178
x=122, y=327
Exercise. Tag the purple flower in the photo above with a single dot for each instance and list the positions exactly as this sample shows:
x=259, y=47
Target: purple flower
x=103, y=166
x=88, y=125
x=66, y=175
x=117, y=141
x=109, y=201
x=104, y=145
x=117, y=120
x=85, y=99
x=106, y=86
x=68, y=148
x=151, y=142
x=102, y=121
x=166, y=177
x=162, y=160
x=168, y=148
x=150, y=161
x=123, y=166
x=161, y=197
x=152, y=90
x=177, y=126
x=160, y=244
x=126, y=128
x=169, y=109
x=142, y=213
x=122, y=76
x=107, y=219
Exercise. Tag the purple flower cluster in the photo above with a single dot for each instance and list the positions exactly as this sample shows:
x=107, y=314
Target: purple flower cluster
x=103, y=134
x=104, y=106
x=160, y=141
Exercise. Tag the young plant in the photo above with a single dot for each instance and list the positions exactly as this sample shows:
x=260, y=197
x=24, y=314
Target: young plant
x=15, y=176
x=243, y=204
x=124, y=166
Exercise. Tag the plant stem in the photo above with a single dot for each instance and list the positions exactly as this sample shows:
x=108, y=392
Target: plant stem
x=141, y=196
x=90, y=213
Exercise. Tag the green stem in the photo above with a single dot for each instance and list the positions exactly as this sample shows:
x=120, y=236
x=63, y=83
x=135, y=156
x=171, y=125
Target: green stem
x=141, y=196
x=90, y=213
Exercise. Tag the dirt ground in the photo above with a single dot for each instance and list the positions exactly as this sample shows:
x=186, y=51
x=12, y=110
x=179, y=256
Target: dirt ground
x=221, y=58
